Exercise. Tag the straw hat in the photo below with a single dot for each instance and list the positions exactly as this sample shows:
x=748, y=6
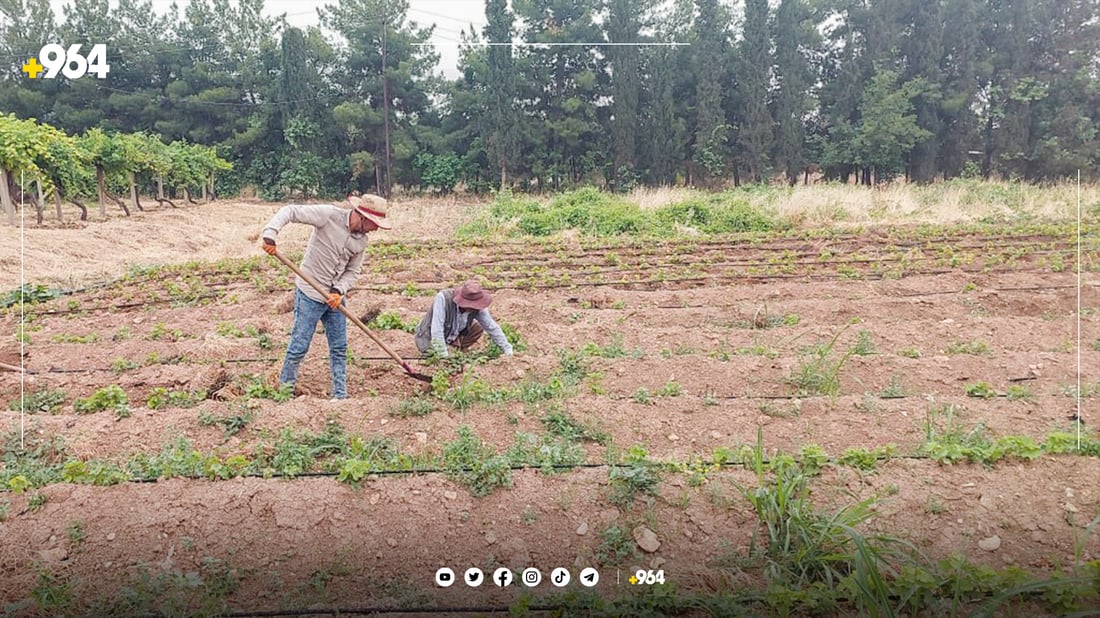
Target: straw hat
x=372, y=207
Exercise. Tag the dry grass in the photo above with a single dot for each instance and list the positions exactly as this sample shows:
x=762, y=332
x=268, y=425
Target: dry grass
x=71, y=254
x=649, y=198
x=946, y=203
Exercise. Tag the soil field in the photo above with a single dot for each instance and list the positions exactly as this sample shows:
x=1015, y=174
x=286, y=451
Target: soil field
x=934, y=373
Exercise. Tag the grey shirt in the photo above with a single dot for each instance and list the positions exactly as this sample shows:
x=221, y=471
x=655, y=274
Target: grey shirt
x=462, y=320
x=334, y=256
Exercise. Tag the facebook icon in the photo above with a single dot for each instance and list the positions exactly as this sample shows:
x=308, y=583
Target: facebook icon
x=502, y=577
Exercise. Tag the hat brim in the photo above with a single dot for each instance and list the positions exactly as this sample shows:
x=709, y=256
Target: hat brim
x=379, y=221
x=466, y=303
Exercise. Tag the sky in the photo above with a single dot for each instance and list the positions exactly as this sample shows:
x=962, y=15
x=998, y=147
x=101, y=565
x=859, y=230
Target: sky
x=449, y=16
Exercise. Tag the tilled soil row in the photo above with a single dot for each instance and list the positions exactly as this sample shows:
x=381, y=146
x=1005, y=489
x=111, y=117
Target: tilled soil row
x=317, y=542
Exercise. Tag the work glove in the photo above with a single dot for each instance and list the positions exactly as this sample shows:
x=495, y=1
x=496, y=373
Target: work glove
x=333, y=299
x=268, y=246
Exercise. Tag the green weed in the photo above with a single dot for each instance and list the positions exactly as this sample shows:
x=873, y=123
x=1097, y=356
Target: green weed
x=561, y=423
x=107, y=398
x=818, y=372
x=476, y=464
x=45, y=400
x=36, y=502
x=231, y=424
x=671, y=389
x=413, y=406
x=615, y=349
x=160, y=398
x=548, y=452
x=615, y=548
x=257, y=388
x=894, y=390
x=388, y=320
x=637, y=475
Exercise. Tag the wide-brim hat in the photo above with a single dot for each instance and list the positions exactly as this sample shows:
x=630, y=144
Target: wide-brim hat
x=470, y=295
x=372, y=207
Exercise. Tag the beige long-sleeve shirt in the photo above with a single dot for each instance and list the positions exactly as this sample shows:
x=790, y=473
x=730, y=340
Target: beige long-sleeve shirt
x=334, y=256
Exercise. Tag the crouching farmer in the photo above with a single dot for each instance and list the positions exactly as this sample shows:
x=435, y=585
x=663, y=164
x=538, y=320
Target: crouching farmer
x=458, y=318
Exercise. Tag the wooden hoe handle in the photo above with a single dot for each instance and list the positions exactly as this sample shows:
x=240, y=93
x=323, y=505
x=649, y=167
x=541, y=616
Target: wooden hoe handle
x=344, y=310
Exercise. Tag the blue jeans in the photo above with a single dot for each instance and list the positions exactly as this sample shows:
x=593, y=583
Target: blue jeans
x=307, y=312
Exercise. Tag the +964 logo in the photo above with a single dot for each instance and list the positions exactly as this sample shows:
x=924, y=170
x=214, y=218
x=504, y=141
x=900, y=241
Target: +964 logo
x=54, y=59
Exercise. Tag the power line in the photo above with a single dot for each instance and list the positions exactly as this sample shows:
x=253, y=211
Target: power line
x=164, y=98
x=442, y=16
x=576, y=44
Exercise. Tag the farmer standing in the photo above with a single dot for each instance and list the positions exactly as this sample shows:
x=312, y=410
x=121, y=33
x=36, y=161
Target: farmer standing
x=334, y=257
x=458, y=317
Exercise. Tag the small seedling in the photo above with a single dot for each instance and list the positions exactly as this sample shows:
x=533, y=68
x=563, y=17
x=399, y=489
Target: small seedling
x=1019, y=392
x=36, y=502
x=934, y=506
x=894, y=390
x=910, y=353
x=122, y=365
x=981, y=390
x=976, y=348
x=864, y=346
x=76, y=534
x=671, y=389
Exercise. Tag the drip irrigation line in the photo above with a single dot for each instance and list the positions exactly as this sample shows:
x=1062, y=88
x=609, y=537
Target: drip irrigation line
x=123, y=306
x=514, y=467
x=270, y=359
x=1034, y=288
x=370, y=611
x=809, y=261
x=803, y=251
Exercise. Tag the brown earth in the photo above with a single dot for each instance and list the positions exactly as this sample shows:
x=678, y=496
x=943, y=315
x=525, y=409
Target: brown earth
x=710, y=336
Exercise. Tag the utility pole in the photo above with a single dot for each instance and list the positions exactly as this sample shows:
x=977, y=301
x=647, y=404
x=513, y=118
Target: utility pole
x=385, y=111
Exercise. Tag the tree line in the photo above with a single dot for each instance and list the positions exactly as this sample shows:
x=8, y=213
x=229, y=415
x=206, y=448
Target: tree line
x=701, y=92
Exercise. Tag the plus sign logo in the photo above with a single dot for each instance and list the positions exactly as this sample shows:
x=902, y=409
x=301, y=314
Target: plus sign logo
x=32, y=68
x=53, y=59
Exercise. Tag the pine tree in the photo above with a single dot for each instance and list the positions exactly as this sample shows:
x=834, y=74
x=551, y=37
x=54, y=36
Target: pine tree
x=710, y=46
x=623, y=25
x=755, y=137
x=502, y=131
x=793, y=30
